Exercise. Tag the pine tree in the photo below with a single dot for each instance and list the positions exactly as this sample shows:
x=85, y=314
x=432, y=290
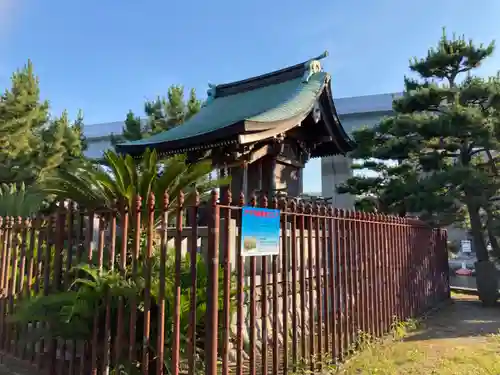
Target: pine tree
x=63, y=143
x=445, y=125
x=156, y=114
x=175, y=107
x=78, y=129
x=22, y=118
x=54, y=148
x=387, y=192
x=193, y=105
x=133, y=128
x=160, y=114
x=32, y=146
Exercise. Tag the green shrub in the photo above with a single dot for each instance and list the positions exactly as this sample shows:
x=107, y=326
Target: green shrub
x=70, y=314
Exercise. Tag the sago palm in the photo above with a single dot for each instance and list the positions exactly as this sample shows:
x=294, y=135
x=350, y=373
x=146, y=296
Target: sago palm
x=122, y=178
x=19, y=201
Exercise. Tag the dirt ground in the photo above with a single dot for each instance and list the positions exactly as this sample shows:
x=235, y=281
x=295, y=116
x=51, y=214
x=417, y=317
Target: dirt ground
x=462, y=338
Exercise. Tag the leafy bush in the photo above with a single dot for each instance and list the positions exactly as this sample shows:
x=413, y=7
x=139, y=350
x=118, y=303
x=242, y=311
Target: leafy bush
x=123, y=178
x=70, y=314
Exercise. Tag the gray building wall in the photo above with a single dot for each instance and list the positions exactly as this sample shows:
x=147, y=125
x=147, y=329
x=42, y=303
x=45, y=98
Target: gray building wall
x=336, y=170
x=99, y=136
x=355, y=113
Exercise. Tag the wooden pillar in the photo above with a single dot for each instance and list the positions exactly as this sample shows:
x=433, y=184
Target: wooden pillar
x=223, y=173
x=244, y=182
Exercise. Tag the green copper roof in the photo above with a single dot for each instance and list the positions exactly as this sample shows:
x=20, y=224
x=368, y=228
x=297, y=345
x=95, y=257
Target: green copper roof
x=265, y=104
x=253, y=110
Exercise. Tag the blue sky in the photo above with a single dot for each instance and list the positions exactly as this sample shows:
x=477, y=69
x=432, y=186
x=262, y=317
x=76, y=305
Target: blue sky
x=107, y=56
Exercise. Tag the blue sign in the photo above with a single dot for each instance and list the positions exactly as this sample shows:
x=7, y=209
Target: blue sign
x=260, y=231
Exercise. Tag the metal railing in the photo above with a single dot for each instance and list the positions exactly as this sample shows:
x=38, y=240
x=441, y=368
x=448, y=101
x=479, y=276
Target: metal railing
x=137, y=295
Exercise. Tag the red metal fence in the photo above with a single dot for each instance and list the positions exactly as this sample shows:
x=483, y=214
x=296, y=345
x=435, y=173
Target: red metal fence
x=127, y=295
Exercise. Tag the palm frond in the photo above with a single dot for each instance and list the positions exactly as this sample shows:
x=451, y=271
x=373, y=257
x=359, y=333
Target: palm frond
x=18, y=200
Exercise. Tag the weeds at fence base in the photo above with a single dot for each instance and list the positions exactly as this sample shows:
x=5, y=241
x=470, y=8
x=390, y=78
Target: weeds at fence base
x=327, y=365
x=456, y=342
x=364, y=342
x=400, y=330
x=449, y=357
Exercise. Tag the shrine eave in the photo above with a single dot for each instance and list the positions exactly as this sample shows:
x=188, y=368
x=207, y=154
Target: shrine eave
x=340, y=143
x=254, y=110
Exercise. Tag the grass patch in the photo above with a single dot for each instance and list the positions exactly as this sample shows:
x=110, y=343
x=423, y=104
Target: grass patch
x=463, y=338
x=478, y=355
x=364, y=343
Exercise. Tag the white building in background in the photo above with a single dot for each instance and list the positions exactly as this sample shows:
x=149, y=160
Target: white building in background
x=354, y=113
x=99, y=137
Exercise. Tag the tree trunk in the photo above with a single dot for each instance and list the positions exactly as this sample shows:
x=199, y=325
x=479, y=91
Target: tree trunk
x=486, y=272
x=487, y=282
x=491, y=162
x=495, y=246
x=477, y=231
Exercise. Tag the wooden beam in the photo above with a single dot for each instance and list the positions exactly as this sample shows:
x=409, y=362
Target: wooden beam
x=251, y=157
x=288, y=161
x=259, y=153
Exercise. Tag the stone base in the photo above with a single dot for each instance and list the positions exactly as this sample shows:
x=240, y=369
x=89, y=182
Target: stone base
x=487, y=276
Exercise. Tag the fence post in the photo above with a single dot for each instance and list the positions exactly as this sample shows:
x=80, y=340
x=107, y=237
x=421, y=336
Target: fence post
x=177, y=297
x=213, y=287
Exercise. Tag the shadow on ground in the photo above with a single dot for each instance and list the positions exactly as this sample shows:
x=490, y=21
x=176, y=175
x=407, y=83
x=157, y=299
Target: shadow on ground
x=465, y=317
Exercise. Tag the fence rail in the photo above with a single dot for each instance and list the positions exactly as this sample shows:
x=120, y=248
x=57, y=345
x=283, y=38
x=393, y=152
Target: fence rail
x=120, y=291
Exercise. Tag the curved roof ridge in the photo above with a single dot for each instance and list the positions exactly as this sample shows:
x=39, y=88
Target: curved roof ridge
x=256, y=106
x=271, y=78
